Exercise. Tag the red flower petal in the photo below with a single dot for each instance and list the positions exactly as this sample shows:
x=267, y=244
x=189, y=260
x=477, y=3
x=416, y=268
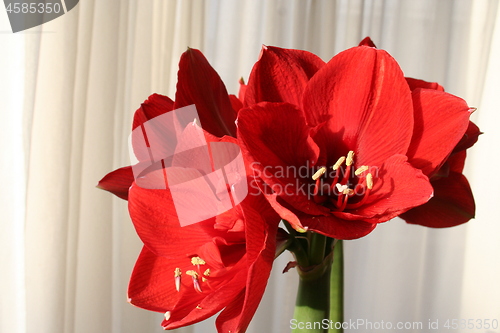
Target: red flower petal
x=397, y=187
x=198, y=83
x=238, y=314
x=441, y=120
x=235, y=103
x=452, y=204
x=285, y=213
x=155, y=131
x=276, y=141
x=364, y=99
x=156, y=222
x=456, y=162
x=470, y=137
x=367, y=41
x=152, y=284
x=118, y=182
x=338, y=228
x=416, y=83
x=281, y=75
x=154, y=106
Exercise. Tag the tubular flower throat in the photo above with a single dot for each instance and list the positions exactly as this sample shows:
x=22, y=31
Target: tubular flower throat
x=339, y=188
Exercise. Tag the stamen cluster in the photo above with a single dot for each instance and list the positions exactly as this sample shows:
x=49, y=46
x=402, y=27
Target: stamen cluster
x=346, y=192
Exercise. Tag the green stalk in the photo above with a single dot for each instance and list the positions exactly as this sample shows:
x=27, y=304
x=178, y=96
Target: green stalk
x=337, y=289
x=319, y=303
x=313, y=298
x=317, y=248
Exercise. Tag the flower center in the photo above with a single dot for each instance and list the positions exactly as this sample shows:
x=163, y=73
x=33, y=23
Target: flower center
x=195, y=274
x=341, y=189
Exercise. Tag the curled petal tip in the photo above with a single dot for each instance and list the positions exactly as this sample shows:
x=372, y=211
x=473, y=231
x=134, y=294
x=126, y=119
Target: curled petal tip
x=472, y=110
x=301, y=230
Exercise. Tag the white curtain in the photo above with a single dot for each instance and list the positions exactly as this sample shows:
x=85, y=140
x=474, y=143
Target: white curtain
x=68, y=91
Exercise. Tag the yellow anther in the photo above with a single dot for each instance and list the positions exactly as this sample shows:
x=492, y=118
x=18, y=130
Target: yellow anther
x=206, y=273
x=197, y=261
x=319, y=173
x=350, y=158
x=194, y=274
x=177, y=272
x=348, y=191
x=198, y=307
x=360, y=170
x=369, y=181
x=339, y=163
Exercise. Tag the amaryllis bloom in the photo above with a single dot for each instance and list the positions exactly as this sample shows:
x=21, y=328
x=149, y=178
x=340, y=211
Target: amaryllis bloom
x=191, y=271
x=453, y=201
x=333, y=145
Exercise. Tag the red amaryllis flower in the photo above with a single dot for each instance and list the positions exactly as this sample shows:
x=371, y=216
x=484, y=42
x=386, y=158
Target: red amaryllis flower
x=337, y=162
x=453, y=201
x=191, y=273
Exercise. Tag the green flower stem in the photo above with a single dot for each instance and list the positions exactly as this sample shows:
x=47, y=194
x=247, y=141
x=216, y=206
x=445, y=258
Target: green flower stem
x=317, y=248
x=337, y=288
x=319, y=303
x=313, y=298
x=298, y=251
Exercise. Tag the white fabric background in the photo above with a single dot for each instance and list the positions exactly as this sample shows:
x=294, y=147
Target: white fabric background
x=68, y=90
